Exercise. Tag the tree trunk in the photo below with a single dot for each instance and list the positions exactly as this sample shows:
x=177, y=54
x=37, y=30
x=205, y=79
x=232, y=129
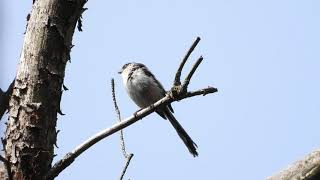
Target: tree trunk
x=35, y=101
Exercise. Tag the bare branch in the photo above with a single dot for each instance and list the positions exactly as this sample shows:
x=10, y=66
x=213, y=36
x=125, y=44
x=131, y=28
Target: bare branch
x=203, y=92
x=127, y=156
x=177, y=81
x=4, y=99
x=174, y=95
x=305, y=169
x=188, y=78
x=70, y=157
x=130, y=156
x=123, y=146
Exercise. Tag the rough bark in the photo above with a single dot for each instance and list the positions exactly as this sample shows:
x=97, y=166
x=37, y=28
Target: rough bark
x=3, y=172
x=305, y=169
x=35, y=101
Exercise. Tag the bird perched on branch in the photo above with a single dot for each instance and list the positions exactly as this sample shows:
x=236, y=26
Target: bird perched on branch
x=144, y=89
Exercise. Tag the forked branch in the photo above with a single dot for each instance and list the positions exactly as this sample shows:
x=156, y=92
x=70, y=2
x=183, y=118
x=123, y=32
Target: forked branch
x=172, y=96
x=177, y=81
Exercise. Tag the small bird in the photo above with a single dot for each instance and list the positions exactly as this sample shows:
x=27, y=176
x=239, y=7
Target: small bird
x=144, y=89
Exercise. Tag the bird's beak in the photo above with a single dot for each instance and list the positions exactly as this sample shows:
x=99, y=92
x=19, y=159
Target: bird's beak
x=119, y=72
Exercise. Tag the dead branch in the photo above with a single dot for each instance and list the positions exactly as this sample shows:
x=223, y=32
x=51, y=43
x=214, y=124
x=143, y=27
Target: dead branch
x=70, y=157
x=177, y=81
x=305, y=169
x=127, y=156
x=128, y=159
x=122, y=143
x=173, y=95
x=188, y=78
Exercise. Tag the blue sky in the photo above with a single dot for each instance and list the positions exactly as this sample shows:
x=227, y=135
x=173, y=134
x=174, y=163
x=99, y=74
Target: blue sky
x=263, y=56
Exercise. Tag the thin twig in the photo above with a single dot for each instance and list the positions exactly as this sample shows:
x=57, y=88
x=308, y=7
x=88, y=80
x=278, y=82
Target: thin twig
x=127, y=156
x=177, y=81
x=70, y=157
x=4, y=99
x=130, y=156
x=123, y=146
x=187, y=79
x=7, y=165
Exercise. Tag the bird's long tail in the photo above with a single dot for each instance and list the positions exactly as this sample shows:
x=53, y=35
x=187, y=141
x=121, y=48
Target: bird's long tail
x=192, y=147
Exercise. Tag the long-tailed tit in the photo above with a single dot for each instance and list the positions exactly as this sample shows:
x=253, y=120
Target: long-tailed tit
x=144, y=89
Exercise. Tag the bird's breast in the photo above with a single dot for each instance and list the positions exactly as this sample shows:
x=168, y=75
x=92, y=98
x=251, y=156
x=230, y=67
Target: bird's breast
x=143, y=90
